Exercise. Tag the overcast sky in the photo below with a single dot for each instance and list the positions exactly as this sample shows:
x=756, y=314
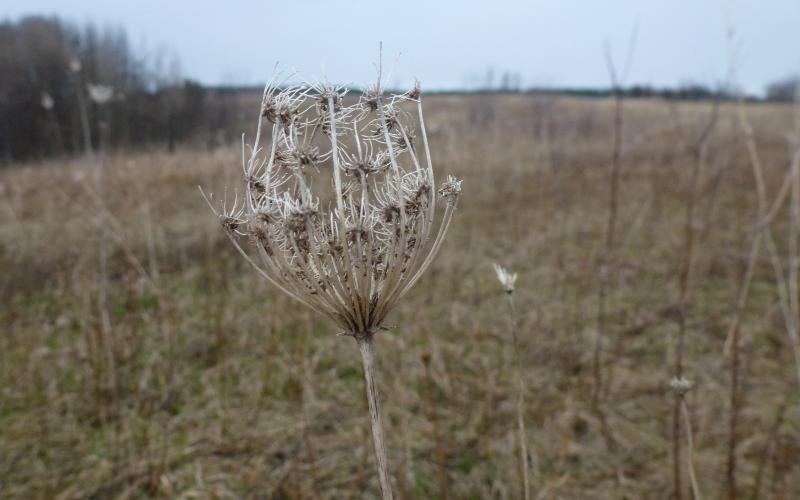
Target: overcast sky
x=453, y=43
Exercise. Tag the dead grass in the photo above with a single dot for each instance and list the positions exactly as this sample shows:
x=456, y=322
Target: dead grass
x=211, y=384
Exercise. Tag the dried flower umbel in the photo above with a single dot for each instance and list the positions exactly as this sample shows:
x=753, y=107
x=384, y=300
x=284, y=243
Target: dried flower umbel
x=353, y=249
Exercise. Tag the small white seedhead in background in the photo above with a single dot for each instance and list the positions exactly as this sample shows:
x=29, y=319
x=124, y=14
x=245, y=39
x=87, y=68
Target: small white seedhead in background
x=680, y=385
x=78, y=175
x=100, y=94
x=47, y=101
x=75, y=64
x=507, y=279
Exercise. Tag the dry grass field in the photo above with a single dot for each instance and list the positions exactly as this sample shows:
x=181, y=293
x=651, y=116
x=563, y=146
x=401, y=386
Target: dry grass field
x=141, y=357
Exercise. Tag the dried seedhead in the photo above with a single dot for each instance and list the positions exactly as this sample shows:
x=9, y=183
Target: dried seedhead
x=354, y=257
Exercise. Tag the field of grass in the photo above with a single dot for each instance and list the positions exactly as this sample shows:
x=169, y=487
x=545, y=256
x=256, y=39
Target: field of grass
x=140, y=356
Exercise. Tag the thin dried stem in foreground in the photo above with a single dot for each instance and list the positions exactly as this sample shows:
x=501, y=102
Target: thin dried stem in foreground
x=367, y=358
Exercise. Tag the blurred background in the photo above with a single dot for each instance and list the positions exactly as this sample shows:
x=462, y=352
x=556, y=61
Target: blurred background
x=637, y=163
x=177, y=68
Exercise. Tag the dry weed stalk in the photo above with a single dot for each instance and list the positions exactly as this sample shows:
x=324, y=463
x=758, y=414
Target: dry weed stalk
x=787, y=287
x=762, y=236
x=769, y=448
x=696, y=147
x=508, y=279
x=352, y=261
x=681, y=386
x=607, y=265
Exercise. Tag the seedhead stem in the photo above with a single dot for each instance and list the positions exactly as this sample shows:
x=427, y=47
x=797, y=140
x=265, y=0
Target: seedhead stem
x=367, y=358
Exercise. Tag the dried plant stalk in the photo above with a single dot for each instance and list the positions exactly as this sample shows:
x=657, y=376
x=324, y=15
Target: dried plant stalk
x=696, y=147
x=681, y=386
x=508, y=281
x=787, y=287
x=690, y=450
x=367, y=357
x=353, y=260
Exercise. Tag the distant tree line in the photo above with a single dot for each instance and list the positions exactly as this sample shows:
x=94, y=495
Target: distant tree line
x=66, y=89
x=786, y=90
x=694, y=92
x=684, y=92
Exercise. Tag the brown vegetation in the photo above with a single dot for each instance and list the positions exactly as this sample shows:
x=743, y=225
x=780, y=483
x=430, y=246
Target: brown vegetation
x=139, y=356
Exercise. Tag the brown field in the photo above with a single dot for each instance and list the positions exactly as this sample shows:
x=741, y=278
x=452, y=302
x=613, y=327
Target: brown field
x=141, y=357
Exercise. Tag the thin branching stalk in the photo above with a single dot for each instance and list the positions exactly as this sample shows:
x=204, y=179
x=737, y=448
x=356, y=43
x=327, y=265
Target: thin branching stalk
x=607, y=264
x=789, y=305
x=610, y=234
x=732, y=342
x=733, y=418
x=605, y=269
x=696, y=148
x=765, y=215
x=794, y=240
x=785, y=285
x=768, y=448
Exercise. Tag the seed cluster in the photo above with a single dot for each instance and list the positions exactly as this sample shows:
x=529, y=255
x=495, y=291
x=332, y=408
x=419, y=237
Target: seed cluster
x=354, y=254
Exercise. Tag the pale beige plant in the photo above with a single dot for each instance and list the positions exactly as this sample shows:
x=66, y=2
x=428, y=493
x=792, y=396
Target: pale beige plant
x=353, y=258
